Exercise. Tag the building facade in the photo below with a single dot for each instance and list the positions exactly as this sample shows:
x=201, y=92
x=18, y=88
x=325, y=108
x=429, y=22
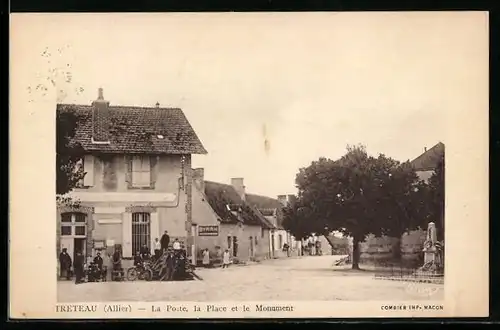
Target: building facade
x=271, y=209
x=225, y=220
x=138, y=178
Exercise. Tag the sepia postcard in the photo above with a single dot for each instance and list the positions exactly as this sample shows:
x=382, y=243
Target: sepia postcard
x=249, y=165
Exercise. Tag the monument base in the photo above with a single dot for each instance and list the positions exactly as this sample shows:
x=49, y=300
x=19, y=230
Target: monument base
x=432, y=265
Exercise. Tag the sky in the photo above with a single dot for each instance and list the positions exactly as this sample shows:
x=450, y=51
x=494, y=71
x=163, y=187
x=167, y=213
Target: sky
x=269, y=93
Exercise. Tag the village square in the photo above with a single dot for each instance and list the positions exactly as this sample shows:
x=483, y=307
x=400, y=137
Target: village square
x=136, y=221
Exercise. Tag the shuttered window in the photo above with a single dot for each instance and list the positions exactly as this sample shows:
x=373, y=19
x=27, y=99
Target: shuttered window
x=141, y=171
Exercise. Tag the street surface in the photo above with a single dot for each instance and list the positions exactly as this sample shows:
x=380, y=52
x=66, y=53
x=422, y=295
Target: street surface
x=302, y=278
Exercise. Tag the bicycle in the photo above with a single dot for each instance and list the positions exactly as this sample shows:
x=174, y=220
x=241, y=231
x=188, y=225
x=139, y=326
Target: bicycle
x=142, y=272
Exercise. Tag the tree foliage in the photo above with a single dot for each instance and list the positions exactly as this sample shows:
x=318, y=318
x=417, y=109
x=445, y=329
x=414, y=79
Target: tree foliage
x=68, y=153
x=436, y=198
x=356, y=195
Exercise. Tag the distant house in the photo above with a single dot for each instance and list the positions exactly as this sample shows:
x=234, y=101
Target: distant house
x=426, y=163
x=241, y=228
x=272, y=209
x=138, y=178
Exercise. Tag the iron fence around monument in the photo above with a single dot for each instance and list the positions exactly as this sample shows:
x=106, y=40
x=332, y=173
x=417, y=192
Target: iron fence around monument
x=409, y=274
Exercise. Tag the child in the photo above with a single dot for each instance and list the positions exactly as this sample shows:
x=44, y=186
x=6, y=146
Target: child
x=225, y=259
x=206, y=258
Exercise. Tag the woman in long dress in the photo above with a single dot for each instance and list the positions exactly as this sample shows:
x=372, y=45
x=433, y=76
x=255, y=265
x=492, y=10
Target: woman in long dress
x=206, y=258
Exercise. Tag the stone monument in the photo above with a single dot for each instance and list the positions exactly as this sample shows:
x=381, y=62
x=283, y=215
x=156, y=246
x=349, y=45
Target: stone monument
x=432, y=252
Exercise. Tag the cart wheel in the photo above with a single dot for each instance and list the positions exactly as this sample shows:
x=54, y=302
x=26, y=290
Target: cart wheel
x=147, y=274
x=132, y=274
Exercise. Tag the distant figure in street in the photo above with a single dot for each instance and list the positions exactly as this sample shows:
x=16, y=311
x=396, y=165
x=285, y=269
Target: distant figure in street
x=157, y=248
x=145, y=254
x=165, y=241
x=78, y=265
x=65, y=264
x=176, y=245
x=286, y=248
x=206, y=258
x=225, y=259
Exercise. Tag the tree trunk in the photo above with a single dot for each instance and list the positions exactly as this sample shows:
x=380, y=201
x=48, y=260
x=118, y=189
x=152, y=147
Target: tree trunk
x=355, y=252
x=396, y=249
x=328, y=240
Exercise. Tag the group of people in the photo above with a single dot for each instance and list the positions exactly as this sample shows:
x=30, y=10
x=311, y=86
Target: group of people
x=226, y=258
x=160, y=246
x=312, y=248
x=78, y=267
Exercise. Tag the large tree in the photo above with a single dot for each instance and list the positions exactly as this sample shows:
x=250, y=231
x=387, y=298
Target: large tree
x=356, y=195
x=436, y=190
x=68, y=153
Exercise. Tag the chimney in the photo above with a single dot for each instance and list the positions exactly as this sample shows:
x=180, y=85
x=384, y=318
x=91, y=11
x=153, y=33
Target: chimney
x=425, y=149
x=292, y=199
x=199, y=178
x=283, y=200
x=238, y=185
x=100, y=119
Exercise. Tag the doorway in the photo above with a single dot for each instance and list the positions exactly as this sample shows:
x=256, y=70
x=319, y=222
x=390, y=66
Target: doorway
x=251, y=247
x=79, y=246
x=235, y=246
x=73, y=245
x=272, y=245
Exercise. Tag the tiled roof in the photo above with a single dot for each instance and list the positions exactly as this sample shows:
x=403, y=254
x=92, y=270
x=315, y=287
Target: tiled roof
x=221, y=195
x=267, y=206
x=429, y=160
x=262, y=202
x=136, y=130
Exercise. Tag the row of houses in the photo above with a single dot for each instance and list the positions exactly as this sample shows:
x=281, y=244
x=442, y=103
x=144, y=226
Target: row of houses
x=139, y=183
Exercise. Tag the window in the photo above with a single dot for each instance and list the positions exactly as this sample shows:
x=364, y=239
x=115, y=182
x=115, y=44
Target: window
x=73, y=224
x=80, y=230
x=141, y=171
x=66, y=230
x=261, y=233
x=141, y=231
x=280, y=241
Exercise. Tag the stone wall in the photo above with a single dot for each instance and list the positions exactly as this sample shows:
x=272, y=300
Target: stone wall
x=375, y=250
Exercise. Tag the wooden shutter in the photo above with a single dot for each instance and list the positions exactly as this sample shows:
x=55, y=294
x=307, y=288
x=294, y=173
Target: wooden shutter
x=153, y=171
x=155, y=228
x=136, y=171
x=88, y=168
x=145, y=180
x=128, y=170
x=127, y=235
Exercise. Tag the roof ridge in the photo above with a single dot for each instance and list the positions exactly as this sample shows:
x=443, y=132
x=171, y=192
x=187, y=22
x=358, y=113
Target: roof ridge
x=119, y=106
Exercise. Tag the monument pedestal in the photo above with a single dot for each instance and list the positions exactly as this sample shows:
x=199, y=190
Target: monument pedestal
x=433, y=265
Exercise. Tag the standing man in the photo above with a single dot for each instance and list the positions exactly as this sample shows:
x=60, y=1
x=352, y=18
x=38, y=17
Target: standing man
x=65, y=264
x=157, y=248
x=78, y=267
x=165, y=241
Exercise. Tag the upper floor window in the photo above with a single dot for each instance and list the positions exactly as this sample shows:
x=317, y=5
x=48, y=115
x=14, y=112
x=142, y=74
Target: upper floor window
x=87, y=165
x=141, y=171
x=73, y=224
